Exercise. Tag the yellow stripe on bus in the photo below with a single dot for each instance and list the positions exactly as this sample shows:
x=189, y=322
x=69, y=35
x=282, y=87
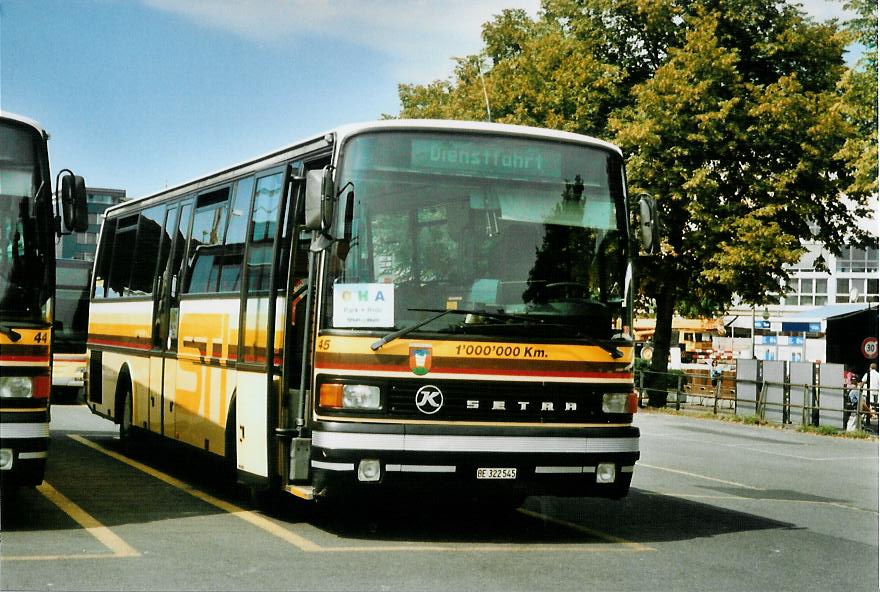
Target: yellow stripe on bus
x=475, y=349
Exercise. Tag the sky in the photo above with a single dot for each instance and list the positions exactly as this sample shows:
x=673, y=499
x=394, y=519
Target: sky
x=146, y=94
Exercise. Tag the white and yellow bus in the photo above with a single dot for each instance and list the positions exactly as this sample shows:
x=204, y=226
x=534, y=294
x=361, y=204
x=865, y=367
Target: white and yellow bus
x=389, y=305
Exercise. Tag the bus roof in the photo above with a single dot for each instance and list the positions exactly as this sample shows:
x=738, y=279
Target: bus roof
x=338, y=136
x=23, y=120
x=474, y=126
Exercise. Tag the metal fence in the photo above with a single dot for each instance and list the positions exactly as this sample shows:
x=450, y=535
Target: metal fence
x=769, y=396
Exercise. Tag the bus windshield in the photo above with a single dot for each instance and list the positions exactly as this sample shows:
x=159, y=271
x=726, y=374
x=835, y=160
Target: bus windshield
x=521, y=237
x=22, y=260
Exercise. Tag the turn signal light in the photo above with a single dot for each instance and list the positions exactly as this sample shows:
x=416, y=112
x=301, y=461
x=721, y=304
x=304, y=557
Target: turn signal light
x=331, y=396
x=42, y=387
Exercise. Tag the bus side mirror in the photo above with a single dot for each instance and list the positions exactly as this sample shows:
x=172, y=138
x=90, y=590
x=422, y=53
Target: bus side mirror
x=73, y=203
x=320, y=198
x=649, y=232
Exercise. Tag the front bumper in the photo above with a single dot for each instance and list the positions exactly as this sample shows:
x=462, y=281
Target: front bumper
x=24, y=444
x=548, y=461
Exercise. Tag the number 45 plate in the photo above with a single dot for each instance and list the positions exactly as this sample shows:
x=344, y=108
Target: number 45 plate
x=496, y=473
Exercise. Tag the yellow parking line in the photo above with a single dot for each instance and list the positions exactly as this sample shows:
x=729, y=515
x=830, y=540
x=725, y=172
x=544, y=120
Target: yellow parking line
x=104, y=535
x=617, y=544
x=246, y=515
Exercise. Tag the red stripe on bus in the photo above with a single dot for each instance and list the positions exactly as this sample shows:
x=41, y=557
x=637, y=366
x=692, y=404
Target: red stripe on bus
x=25, y=359
x=122, y=344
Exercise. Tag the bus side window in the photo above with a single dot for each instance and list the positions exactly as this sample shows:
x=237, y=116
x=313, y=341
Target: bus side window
x=146, y=252
x=233, y=254
x=119, y=281
x=263, y=221
x=206, y=242
x=105, y=256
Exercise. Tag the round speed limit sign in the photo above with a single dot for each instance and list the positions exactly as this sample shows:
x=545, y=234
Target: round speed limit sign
x=869, y=348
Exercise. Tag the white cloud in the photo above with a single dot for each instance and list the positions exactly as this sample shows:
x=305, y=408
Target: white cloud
x=419, y=36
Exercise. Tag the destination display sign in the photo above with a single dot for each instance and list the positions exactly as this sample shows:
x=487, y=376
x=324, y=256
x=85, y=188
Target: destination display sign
x=500, y=158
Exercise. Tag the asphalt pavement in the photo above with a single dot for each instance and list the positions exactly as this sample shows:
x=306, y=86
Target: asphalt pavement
x=714, y=505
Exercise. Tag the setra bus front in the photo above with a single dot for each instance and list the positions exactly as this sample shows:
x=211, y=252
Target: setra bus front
x=26, y=280
x=28, y=226
x=474, y=314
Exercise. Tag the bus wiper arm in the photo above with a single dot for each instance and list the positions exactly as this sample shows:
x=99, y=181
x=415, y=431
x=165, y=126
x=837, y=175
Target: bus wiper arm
x=392, y=336
x=607, y=346
x=442, y=313
x=10, y=333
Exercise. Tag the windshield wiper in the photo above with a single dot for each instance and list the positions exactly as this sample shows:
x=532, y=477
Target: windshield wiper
x=10, y=333
x=442, y=313
x=606, y=345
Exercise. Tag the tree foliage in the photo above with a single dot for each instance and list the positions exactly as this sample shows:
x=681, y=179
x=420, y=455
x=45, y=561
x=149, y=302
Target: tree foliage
x=740, y=116
x=859, y=101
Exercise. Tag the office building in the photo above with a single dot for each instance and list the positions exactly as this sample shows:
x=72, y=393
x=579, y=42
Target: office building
x=82, y=245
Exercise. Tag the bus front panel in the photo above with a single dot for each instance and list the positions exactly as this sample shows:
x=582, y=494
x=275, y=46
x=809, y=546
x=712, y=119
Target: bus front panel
x=477, y=328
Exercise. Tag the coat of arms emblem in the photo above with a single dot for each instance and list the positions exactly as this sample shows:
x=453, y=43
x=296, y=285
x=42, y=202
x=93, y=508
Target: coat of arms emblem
x=420, y=359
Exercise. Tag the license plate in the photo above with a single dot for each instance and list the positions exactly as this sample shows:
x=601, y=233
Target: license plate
x=496, y=473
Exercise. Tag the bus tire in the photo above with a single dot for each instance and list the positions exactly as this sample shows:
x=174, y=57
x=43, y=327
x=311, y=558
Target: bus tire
x=124, y=407
x=230, y=454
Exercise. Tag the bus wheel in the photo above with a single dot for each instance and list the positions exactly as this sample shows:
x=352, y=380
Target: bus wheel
x=230, y=455
x=126, y=437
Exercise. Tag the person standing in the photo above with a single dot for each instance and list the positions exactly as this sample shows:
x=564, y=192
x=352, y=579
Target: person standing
x=868, y=387
x=714, y=372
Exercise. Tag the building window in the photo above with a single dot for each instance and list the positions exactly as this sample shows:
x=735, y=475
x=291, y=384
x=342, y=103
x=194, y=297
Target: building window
x=858, y=260
x=858, y=290
x=807, y=292
x=100, y=198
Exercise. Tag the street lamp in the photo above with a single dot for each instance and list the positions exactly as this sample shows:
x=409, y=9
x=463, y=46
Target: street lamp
x=753, y=331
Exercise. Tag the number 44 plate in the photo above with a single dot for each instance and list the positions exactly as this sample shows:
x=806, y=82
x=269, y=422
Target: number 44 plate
x=496, y=473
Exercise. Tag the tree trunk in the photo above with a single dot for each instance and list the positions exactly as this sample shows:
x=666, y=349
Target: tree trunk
x=655, y=381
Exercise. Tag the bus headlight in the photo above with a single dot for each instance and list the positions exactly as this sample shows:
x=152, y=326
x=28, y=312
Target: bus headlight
x=350, y=396
x=620, y=403
x=16, y=386
x=360, y=396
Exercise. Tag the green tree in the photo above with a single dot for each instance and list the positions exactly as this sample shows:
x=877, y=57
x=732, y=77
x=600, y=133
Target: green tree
x=738, y=115
x=859, y=100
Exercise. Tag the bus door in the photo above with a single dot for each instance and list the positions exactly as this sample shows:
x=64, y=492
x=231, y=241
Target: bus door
x=253, y=405
x=166, y=308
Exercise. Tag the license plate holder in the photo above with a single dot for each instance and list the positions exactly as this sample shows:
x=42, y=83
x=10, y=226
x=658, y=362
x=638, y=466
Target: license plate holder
x=496, y=473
